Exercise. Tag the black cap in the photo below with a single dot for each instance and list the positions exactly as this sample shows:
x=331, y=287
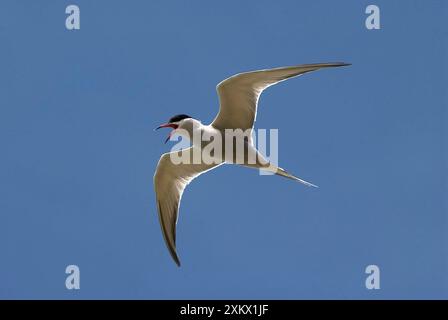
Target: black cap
x=178, y=117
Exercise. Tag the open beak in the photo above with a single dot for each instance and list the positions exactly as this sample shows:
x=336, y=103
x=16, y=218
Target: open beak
x=168, y=125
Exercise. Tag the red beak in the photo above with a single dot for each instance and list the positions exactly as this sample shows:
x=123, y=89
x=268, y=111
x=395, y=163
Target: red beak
x=168, y=125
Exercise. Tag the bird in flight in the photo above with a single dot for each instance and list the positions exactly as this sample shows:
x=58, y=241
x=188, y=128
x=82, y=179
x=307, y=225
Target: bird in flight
x=238, y=97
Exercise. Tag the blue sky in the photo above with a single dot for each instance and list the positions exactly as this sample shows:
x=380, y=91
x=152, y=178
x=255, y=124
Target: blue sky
x=78, y=151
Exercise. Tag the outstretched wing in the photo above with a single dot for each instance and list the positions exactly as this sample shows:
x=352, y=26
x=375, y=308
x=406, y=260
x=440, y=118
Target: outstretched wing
x=170, y=180
x=239, y=94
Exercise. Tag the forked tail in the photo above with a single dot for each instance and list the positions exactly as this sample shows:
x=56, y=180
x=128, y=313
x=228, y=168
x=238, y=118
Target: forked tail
x=279, y=171
x=284, y=173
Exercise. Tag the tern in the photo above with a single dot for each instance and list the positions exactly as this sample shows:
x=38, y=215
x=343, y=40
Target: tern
x=238, y=97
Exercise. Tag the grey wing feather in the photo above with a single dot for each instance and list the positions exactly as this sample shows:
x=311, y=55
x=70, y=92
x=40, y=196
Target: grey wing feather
x=170, y=181
x=239, y=94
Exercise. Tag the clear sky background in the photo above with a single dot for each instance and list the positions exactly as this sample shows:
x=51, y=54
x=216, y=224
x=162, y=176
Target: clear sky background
x=78, y=151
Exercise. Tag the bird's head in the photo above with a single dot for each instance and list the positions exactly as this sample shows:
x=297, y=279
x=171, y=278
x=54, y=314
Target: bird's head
x=176, y=122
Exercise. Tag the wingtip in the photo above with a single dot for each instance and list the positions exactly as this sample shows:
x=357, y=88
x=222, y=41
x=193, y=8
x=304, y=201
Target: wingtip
x=341, y=64
x=329, y=65
x=174, y=255
x=177, y=261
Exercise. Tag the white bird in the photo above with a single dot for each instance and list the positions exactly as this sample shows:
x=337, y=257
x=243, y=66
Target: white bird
x=238, y=96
